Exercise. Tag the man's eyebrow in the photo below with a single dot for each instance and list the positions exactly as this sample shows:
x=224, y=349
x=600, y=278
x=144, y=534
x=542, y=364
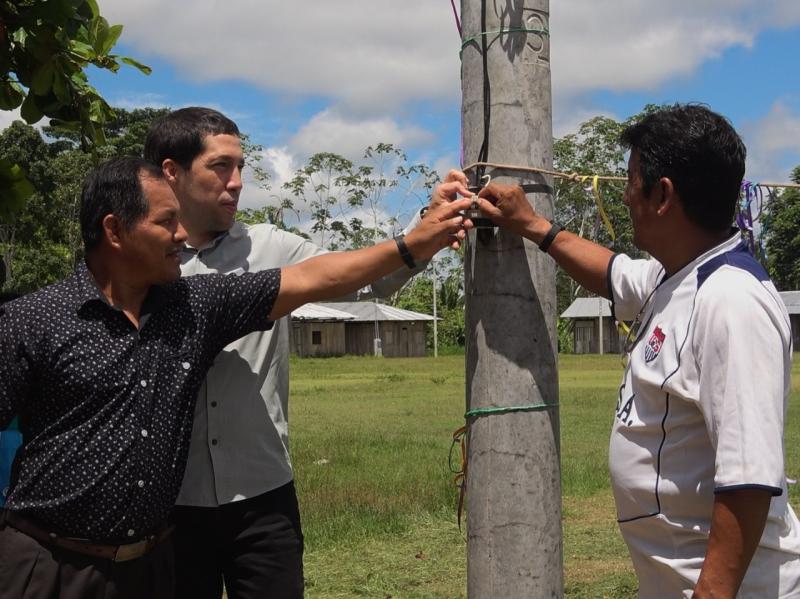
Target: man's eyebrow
x=226, y=156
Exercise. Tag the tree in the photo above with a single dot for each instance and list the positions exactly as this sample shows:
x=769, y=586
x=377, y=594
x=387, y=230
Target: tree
x=593, y=149
x=41, y=242
x=45, y=47
x=339, y=195
x=417, y=295
x=782, y=232
x=327, y=184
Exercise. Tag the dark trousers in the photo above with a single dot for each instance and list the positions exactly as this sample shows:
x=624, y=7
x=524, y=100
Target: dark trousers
x=30, y=569
x=254, y=545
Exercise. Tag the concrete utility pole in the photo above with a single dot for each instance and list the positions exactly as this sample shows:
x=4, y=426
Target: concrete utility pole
x=513, y=482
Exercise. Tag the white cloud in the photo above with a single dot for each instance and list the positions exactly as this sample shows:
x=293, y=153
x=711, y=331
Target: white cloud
x=358, y=52
x=372, y=56
x=331, y=131
x=771, y=142
x=570, y=114
x=280, y=163
x=145, y=100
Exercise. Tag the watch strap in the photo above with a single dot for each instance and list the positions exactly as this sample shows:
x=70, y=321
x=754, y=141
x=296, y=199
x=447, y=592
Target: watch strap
x=555, y=229
x=403, y=249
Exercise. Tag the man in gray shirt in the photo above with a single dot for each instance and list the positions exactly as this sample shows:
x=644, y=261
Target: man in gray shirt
x=237, y=516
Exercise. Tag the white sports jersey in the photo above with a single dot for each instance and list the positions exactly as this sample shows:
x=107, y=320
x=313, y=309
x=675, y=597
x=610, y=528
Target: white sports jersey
x=701, y=410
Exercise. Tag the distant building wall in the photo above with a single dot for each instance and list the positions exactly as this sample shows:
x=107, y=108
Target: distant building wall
x=398, y=339
x=587, y=338
x=318, y=339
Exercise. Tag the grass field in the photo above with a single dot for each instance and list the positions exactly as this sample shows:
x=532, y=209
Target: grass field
x=370, y=439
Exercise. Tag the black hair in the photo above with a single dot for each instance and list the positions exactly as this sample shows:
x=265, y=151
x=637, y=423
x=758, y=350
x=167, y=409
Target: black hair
x=700, y=152
x=180, y=135
x=114, y=187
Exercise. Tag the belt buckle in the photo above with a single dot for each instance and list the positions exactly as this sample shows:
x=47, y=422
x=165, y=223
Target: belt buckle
x=131, y=551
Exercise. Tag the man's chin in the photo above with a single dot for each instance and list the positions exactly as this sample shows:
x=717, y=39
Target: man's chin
x=169, y=275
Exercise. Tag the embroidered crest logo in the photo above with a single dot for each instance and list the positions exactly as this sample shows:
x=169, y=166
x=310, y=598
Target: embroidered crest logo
x=654, y=345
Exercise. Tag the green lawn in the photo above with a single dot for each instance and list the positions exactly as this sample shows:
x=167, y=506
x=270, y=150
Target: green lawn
x=370, y=439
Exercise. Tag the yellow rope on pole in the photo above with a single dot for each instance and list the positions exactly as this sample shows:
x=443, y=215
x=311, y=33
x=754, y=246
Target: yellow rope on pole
x=601, y=209
x=544, y=171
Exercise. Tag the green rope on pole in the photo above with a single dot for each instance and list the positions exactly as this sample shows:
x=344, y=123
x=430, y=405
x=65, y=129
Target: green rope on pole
x=472, y=38
x=537, y=407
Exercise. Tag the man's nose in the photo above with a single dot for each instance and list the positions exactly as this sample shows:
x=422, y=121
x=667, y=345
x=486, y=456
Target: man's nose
x=235, y=182
x=180, y=234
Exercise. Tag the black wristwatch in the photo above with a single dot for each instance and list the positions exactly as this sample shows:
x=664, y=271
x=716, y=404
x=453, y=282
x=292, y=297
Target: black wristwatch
x=555, y=229
x=403, y=249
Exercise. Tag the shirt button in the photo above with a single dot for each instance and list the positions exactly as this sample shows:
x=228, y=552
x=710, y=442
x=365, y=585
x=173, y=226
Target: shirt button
x=186, y=365
x=213, y=441
x=143, y=383
x=213, y=404
x=140, y=483
x=144, y=433
x=131, y=532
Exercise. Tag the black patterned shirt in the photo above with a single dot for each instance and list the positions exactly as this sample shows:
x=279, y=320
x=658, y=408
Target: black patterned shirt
x=106, y=409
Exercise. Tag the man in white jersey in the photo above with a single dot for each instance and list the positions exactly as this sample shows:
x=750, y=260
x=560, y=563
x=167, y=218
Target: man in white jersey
x=696, y=453
x=237, y=517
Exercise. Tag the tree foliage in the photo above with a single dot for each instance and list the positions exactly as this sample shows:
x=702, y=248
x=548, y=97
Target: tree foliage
x=45, y=48
x=782, y=232
x=418, y=296
x=40, y=243
x=353, y=205
x=594, y=148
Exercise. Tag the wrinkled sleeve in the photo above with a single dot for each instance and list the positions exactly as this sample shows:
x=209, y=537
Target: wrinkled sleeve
x=631, y=282
x=742, y=347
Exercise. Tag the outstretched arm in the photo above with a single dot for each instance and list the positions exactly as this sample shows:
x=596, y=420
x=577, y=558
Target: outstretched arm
x=454, y=184
x=585, y=261
x=333, y=275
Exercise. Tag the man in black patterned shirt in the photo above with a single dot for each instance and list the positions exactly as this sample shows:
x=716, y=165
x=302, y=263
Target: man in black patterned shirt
x=103, y=369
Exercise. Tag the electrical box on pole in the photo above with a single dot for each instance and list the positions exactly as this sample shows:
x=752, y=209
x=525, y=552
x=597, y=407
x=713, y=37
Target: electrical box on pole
x=513, y=479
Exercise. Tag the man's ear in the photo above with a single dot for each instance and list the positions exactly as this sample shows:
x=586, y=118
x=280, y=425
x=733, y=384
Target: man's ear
x=666, y=197
x=170, y=168
x=112, y=231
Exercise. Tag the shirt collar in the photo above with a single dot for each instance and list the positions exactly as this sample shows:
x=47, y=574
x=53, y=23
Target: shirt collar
x=87, y=290
x=726, y=246
x=237, y=231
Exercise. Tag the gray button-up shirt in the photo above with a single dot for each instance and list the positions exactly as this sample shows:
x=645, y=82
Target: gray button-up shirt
x=240, y=437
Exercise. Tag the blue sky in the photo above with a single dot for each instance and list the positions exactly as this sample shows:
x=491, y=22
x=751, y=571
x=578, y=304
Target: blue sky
x=339, y=76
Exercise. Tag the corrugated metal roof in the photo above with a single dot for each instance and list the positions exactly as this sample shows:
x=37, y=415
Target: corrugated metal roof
x=792, y=301
x=366, y=312
x=319, y=312
x=587, y=307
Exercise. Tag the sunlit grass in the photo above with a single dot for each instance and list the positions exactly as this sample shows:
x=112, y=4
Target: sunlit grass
x=370, y=440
